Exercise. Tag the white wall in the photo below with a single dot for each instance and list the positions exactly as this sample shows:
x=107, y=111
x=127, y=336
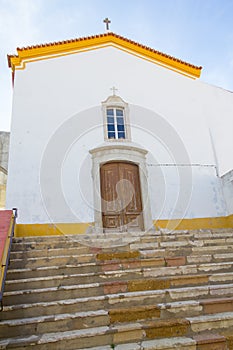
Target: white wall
x=57, y=119
x=218, y=111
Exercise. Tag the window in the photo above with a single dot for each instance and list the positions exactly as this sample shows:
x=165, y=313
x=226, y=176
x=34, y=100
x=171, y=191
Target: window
x=115, y=123
x=116, y=119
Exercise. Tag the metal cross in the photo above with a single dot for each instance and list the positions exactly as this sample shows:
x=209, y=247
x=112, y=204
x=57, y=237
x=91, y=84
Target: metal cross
x=107, y=22
x=114, y=91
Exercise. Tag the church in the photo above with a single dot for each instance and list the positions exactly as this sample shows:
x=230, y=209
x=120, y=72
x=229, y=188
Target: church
x=110, y=135
x=121, y=168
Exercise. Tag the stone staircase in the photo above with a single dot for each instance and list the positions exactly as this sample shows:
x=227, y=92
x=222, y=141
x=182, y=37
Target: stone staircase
x=159, y=290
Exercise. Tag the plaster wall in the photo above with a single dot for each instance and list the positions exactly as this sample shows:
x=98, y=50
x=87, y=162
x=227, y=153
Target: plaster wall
x=57, y=119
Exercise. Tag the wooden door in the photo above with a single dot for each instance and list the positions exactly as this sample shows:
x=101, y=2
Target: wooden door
x=121, y=197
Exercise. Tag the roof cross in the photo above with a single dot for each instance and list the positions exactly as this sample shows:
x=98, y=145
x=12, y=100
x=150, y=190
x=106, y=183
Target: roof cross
x=114, y=91
x=107, y=22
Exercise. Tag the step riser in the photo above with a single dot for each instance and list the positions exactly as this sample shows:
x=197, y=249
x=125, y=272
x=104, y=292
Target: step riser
x=69, y=281
x=53, y=326
x=161, y=295
x=134, y=243
x=51, y=271
x=53, y=261
x=38, y=253
x=122, y=275
x=160, y=330
x=73, y=344
x=51, y=295
x=18, y=263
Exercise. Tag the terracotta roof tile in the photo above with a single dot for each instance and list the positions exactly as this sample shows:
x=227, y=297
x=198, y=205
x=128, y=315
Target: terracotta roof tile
x=100, y=36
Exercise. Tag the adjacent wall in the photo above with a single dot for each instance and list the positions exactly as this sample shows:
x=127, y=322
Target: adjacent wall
x=227, y=182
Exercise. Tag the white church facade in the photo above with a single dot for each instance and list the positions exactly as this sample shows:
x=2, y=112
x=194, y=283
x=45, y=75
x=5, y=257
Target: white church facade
x=116, y=136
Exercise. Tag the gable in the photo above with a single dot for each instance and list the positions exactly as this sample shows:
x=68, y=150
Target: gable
x=69, y=47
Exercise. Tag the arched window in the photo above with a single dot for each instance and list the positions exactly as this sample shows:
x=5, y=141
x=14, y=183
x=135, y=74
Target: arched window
x=116, y=119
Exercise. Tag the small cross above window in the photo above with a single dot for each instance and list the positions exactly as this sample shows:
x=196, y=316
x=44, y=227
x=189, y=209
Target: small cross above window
x=114, y=91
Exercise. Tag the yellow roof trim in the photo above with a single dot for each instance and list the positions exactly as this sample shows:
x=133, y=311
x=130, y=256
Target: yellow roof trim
x=52, y=50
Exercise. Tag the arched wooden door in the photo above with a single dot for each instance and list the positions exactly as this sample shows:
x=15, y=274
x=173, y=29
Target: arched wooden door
x=121, y=197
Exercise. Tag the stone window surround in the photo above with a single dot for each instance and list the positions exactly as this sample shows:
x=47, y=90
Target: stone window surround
x=115, y=102
x=124, y=153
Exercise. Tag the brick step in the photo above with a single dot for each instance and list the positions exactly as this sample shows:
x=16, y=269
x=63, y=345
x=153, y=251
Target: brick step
x=123, y=333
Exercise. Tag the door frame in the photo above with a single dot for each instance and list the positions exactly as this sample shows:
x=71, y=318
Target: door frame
x=124, y=153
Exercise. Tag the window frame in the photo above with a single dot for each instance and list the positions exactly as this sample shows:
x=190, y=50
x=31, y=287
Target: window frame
x=115, y=102
x=116, y=125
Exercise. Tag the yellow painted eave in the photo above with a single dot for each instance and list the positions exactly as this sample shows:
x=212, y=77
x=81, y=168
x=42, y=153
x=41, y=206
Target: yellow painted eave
x=35, y=53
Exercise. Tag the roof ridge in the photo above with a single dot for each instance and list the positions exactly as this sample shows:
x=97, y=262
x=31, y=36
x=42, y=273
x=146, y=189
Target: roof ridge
x=47, y=50
x=68, y=41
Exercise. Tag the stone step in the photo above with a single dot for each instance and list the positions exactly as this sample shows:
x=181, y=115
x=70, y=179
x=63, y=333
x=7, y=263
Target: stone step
x=179, y=343
x=189, y=269
x=166, y=234
x=98, y=318
x=74, y=339
x=134, y=242
x=135, y=259
x=34, y=253
x=183, y=239
x=159, y=287
x=146, y=250
x=81, y=263
x=223, y=272
x=124, y=301
x=66, y=280
x=129, y=274
x=53, y=323
x=125, y=333
x=51, y=261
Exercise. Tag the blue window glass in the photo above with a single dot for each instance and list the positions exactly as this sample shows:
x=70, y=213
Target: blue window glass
x=111, y=127
x=111, y=135
x=110, y=120
x=120, y=120
x=110, y=111
x=120, y=128
x=121, y=135
x=119, y=113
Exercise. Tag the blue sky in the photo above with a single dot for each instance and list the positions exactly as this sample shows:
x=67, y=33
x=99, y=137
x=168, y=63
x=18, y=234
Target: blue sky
x=197, y=31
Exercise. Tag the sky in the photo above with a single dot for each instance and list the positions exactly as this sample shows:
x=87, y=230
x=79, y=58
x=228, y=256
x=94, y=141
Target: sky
x=197, y=31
